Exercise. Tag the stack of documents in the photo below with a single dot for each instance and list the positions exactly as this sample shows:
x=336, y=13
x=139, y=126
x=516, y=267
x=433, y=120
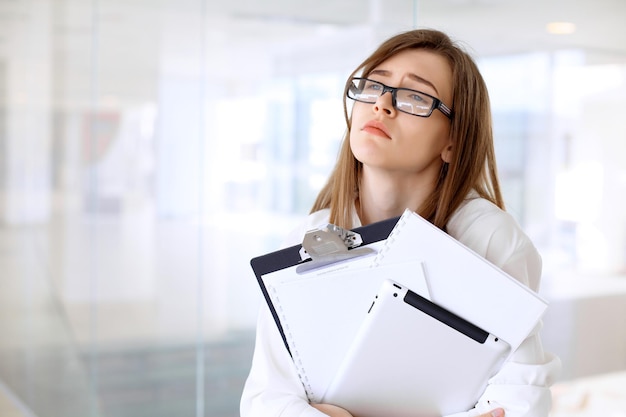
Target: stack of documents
x=319, y=312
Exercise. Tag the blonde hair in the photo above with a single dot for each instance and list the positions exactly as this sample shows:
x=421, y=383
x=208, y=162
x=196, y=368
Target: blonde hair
x=473, y=163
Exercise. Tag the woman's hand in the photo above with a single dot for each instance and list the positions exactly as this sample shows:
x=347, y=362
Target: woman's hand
x=332, y=410
x=498, y=412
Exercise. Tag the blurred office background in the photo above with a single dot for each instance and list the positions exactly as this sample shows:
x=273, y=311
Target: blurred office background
x=149, y=149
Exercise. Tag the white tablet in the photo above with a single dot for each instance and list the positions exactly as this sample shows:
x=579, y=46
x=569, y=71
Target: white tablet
x=413, y=358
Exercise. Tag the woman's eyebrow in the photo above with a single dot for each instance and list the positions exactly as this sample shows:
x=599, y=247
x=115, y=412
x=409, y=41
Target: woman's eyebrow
x=423, y=81
x=411, y=75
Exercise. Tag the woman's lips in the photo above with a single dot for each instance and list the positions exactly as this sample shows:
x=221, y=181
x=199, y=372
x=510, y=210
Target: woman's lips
x=376, y=128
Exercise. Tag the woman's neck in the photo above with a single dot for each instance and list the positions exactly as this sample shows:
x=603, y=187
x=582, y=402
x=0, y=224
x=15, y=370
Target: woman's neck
x=383, y=195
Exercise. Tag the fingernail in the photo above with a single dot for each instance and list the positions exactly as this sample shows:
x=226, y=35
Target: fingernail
x=498, y=412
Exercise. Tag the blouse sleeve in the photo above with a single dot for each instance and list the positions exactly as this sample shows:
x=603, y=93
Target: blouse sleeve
x=522, y=386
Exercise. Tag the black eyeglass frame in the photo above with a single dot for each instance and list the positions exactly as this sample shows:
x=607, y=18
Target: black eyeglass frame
x=437, y=104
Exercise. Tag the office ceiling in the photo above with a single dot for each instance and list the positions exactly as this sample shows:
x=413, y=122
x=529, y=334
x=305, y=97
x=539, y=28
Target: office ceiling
x=489, y=26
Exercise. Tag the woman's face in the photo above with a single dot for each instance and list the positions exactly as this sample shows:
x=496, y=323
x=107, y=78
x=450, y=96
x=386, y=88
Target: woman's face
x=383, y=138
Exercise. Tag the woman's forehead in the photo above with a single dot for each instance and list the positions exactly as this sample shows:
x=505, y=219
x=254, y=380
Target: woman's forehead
x=421, y=67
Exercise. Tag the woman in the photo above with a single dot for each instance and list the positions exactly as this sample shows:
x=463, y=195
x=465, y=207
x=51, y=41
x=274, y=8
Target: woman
x=419, y=136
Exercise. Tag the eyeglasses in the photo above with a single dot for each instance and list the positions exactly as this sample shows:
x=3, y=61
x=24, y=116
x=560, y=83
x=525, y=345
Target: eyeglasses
x=403, y=99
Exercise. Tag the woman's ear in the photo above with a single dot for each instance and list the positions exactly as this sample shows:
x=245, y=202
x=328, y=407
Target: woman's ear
x=446, y=154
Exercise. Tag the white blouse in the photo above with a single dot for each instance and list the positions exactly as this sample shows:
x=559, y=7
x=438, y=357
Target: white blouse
x=521, y=387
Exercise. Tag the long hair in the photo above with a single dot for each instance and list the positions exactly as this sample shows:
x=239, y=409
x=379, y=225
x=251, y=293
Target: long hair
x=472, y=165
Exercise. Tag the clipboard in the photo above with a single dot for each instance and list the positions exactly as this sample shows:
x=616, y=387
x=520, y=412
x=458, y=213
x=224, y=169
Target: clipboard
x=319, y=293
x=293, y=256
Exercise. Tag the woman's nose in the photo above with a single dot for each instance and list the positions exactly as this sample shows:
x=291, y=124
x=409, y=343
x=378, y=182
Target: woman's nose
x=384, y=103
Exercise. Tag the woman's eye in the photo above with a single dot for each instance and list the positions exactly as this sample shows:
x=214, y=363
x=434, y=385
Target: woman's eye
x=373, y=87
x=417, y=97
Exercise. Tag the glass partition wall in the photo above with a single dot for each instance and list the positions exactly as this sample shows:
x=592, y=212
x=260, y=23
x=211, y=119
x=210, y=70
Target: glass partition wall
x=149, y=149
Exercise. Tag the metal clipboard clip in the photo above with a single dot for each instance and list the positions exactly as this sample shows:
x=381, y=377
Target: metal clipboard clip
x=328, y=245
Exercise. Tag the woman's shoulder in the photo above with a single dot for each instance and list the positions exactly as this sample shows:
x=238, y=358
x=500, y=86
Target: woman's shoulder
x=478, y=213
